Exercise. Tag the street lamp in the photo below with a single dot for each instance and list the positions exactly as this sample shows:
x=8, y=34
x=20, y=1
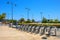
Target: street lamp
x=27, y=12
x=32, y=16
x=48, y=16
x=41, y=15
x=12, y=4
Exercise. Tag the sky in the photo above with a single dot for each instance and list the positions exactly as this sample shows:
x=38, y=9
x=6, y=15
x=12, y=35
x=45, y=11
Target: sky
x=49, y=9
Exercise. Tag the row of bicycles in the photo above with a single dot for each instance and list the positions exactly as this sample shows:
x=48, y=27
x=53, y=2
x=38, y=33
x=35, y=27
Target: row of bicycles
x=41, y=30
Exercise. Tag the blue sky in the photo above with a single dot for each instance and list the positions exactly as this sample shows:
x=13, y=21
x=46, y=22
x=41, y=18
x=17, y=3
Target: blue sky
x=49, y=8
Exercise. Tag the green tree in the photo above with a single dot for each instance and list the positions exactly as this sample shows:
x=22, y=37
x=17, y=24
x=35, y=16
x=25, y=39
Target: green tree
x=56, y=21
x=50, y=20
x=33, y=20
x=28, y=21
x=44, y=20
x=14, y=21
x=2, y=16
x=21, y=20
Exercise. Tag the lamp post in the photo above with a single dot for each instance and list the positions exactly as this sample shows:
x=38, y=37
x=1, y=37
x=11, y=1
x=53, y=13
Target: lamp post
x=48, y=16
x=41, y=15
x=32, y=16
x=12, y=4
x=27, y=12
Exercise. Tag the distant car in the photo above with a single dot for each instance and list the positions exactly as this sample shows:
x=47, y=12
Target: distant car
x=14, y=26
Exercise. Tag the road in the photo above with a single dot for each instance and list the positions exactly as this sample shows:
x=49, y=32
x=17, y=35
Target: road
x=7, y=33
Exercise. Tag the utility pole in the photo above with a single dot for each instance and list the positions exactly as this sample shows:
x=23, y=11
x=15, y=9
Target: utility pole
x=12, y=4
